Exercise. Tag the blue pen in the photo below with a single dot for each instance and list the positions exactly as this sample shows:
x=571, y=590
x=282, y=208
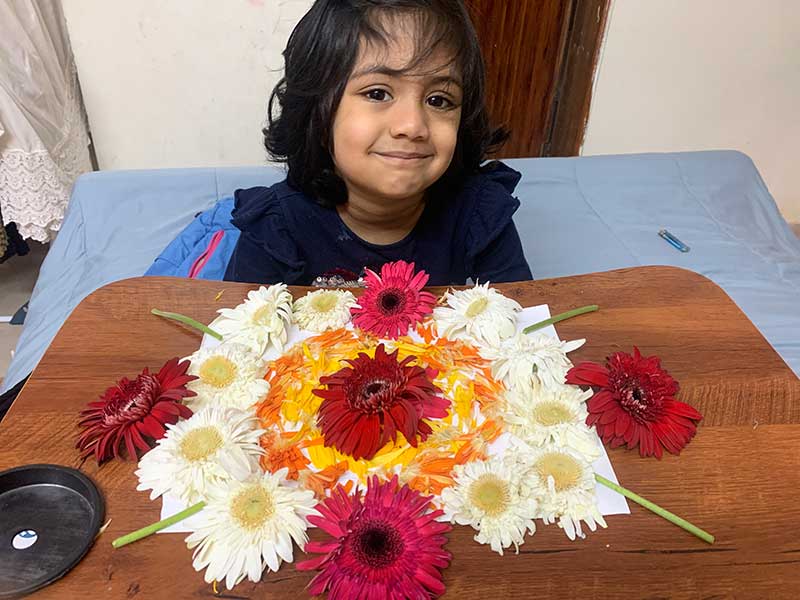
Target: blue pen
x=673, y=241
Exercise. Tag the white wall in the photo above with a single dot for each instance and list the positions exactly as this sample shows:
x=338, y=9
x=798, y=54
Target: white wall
x=177, y=83
x=702, y=74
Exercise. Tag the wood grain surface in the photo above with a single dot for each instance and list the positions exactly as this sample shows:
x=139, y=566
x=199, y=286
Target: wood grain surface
x=523, y=47
x=739, y=478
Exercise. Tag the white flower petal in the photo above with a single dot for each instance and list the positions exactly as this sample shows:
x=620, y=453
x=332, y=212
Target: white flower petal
x=260, y=321
x=198, y=452
x=480, y=314
x=541, y=415
x=232, y=544
x=322, y=310
x=229, y=375
x=571, y=499
x=501, y=514
x=533, y=359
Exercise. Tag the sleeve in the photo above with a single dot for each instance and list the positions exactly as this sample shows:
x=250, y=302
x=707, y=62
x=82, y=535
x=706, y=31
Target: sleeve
x=493, y=247
x=170, y=259
x=187, y=242
x=266, y=251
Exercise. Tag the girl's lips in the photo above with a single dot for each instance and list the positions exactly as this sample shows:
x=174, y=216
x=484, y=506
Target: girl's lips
x=403, y=157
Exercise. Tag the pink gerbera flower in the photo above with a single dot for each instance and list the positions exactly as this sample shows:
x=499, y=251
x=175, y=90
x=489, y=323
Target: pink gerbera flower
x=386, y=545
x=393, y=301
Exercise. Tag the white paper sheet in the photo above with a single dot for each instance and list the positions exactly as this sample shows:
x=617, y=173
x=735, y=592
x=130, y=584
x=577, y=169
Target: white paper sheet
x=608, y=501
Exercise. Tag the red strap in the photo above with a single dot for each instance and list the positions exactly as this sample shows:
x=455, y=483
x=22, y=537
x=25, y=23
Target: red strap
x=204, y=257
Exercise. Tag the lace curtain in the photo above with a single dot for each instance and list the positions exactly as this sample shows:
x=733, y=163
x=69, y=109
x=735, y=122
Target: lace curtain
x=43, y=136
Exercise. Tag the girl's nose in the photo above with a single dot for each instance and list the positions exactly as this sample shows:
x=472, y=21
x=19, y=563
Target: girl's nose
x=409, y=120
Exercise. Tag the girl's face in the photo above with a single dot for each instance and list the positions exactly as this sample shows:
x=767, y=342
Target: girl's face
x=394, y=134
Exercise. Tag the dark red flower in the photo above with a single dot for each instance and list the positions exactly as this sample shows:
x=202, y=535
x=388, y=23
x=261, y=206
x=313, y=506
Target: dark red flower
x=635, y=404
x=393, y=301
x=388, y=545
x=367, y=403
x=131, y=410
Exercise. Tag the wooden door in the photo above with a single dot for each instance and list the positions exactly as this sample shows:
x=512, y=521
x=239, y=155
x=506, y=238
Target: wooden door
x=540, y=59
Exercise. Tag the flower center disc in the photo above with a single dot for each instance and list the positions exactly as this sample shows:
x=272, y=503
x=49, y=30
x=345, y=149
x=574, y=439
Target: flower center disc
x=134, y=401
x=252, y=506
x=217, y=371
x=490, y=494
x=476, y=307
x=372, y=395
x=636, y=402
x=391, y=301
x=377, y=544
x=263, y=316
x=565, y=470
x=373, y=388
x=200, y=443
x=324, y=302
x=552, y=413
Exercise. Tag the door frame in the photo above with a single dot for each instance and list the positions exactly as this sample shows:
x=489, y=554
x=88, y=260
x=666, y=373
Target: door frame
x=569, y=112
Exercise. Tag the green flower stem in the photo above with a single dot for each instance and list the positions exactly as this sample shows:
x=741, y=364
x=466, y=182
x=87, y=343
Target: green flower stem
x=672, y=518
x=151, y=529
x=188, y=320
x=563, y=316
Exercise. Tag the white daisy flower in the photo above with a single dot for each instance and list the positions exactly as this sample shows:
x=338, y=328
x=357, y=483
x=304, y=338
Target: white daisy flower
x=260, y=321
x=324, y=309
x=480, y=314
x=566, y=489
x=229, y=375
x=213, y=445
x=488, y=497
x=539, y=415
x=248, y=526
x=530, y=359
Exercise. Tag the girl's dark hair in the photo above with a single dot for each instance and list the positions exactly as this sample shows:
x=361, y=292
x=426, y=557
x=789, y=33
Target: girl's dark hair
x=320, y=56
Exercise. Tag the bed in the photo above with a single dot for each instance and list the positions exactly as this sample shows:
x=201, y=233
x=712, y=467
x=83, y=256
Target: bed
x=577, y=215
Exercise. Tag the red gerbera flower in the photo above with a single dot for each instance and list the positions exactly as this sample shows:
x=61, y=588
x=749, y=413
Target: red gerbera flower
x=636, y=404
x=132, y=409
x=393, y=301
x=367, y=403
x=386, y=546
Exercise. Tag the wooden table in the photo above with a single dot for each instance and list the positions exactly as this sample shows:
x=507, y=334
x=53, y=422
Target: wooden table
x=739, y=478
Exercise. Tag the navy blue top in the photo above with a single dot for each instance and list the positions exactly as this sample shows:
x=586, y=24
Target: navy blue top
x=288, y=237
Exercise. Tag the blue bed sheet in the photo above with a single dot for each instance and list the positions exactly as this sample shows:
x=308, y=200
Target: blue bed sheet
x=578, y=215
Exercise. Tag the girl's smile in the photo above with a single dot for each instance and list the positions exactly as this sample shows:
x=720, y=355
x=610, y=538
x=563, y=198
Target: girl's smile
x=403, y=159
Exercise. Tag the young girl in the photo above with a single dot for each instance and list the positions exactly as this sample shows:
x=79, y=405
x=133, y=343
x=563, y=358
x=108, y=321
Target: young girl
x=383, y=127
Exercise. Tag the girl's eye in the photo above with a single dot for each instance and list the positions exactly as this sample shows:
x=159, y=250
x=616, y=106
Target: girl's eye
x=378, y=95
x=440, y=102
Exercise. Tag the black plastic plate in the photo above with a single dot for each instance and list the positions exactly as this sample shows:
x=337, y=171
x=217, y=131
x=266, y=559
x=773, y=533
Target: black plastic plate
x=49, y=517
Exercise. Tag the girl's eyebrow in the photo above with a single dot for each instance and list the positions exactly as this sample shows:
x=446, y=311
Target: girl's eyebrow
x=389, y=72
